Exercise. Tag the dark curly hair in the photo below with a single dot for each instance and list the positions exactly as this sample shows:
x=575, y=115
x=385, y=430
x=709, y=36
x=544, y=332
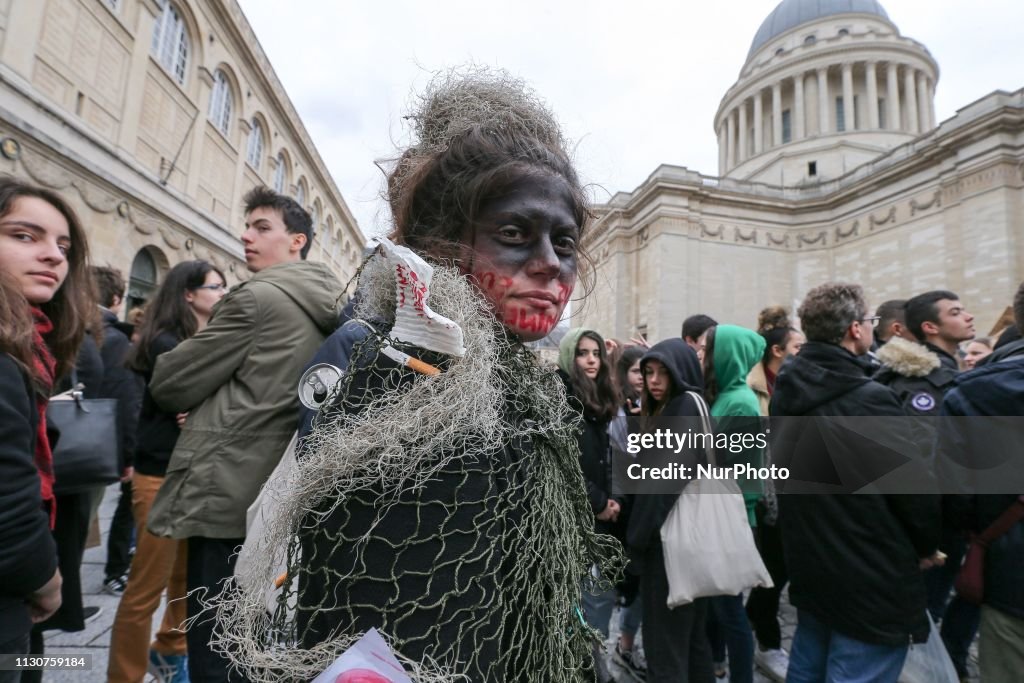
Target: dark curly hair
x=297, y=220
x=828, y=310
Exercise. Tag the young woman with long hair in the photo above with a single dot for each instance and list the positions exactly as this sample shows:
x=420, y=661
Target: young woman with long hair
x=583, y=367
x=46, y=301
x=782, y=340
x=675, y=639
x=180, y=308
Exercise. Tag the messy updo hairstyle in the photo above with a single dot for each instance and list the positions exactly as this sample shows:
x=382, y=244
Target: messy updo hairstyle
x=774, y=325
x=476, y=133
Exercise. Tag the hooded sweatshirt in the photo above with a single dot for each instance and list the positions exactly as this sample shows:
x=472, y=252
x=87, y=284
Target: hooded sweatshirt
x=736, y=409
x=238, y=377
x=649, y=511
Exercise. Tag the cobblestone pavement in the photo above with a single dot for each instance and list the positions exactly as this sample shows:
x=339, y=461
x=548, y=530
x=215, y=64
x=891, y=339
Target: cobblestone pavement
x=95, y=639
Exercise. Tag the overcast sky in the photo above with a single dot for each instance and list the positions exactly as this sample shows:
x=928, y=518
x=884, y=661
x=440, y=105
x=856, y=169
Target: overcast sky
x=635, y=84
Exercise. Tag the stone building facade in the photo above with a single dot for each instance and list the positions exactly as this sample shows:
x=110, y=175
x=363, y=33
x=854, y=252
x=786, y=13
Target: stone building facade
x=154, y=118
x=831, y=167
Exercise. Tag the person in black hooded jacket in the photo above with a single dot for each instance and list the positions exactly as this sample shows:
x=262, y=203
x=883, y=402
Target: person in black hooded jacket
x=674, y=638
x=855, y=560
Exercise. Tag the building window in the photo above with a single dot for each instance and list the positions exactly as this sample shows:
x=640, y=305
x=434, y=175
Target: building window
x=170, y=41
x=881, y=113
x=840, y=115
x=221, y=102
x=279, y=173
x=255, y=151
x=114, y=5
x=857, y=123
x=300, y=193
x=142, y=280
x=810, y=40
x=812, y=168
x=787, y=129
x=844, y=31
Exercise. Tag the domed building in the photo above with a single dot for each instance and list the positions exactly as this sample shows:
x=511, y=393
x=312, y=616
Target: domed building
x=831, y=166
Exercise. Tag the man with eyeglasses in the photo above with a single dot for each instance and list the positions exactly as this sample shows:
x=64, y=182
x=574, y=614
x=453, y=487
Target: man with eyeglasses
x=237, y=379
x=854, y=560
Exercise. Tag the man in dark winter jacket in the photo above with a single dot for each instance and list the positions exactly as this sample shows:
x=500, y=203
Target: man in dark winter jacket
x=122, y=384
x=921, y=372
x=854, y=559
x=996, y=388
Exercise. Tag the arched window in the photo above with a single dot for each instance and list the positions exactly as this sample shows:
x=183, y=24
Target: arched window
x=255, y=151
x=142, y=281
x=279, y=174
x=221, y=102
x=170, y=41
x=300, y=193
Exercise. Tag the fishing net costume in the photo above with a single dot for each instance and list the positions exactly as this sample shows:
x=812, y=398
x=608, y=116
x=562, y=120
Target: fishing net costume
x=448, y=511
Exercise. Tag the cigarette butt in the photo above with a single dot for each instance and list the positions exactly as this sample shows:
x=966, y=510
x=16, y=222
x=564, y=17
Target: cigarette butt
x=279, y=581
x=421, y=367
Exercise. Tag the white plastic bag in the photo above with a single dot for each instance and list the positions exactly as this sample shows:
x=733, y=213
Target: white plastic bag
x=928, y=662
x=706, y=539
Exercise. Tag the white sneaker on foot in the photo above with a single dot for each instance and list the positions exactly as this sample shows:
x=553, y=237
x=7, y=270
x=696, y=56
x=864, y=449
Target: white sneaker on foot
x=774, y=663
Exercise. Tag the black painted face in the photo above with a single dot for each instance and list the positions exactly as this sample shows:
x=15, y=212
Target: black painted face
x=524, y=254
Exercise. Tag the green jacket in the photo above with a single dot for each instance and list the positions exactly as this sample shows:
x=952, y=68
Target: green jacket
x=238, y=379
x=736, y=409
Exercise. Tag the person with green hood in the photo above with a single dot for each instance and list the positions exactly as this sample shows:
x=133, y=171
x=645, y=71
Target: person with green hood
x=583, y=367
x=730, y=353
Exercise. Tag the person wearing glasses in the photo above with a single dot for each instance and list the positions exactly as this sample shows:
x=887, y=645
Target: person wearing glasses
x=854, y=561
x=181, y=307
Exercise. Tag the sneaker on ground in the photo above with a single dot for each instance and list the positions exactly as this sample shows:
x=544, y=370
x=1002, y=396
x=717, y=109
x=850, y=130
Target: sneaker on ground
x=91, y=613
x=628, y=660
x=774, y=663
x=115, y=586
x=720, y=669
x=168, y=668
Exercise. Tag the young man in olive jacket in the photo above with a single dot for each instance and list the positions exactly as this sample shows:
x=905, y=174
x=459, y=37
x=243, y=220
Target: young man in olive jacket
x=854, y=559
x=237, y=381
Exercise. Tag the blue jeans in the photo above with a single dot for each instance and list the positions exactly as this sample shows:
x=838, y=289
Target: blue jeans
x=630, y=618
x=821, y=655
x=598, y=608
x=734, y=635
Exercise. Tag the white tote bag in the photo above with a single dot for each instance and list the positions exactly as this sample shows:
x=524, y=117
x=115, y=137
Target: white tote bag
x=706, y=538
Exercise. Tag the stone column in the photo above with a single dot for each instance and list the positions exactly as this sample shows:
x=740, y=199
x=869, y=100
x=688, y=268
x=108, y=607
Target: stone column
x=723, y=137
x=922, y=100
x=743, y=133
x=823, y=117
x=777, y=114
x=758, y=123
x=799, y=132
x=893, y=93
x=849, y=116
x=931, y=104
x=910, y=92
x=872, y=95
x=730, y=156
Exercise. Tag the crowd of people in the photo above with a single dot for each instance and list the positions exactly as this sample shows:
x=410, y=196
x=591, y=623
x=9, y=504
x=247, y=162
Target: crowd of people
x=500, y=544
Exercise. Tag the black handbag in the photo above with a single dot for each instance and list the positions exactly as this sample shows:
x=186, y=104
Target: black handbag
x=88, y=452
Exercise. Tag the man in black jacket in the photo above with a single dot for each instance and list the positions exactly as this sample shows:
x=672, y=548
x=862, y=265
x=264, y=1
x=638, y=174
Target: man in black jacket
x=996, y=388
x=921, y=372
x=854, y=559
x=122, y=384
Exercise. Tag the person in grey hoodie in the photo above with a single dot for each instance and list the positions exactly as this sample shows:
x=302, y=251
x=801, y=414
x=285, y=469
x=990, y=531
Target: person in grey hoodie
x=237, y=381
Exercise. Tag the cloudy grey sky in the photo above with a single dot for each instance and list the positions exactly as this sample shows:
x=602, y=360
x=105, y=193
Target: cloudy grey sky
x=635, y=84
